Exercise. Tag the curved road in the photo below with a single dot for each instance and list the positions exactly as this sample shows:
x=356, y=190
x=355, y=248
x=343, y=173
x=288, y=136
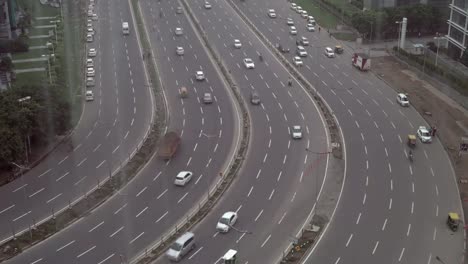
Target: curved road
x=146, y=208
x=273, y=193
x=111, y=128
x=390, y=209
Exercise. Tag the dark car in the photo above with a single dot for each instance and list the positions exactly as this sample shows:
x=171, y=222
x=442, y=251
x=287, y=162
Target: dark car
x=281, y=48
x=254, y=98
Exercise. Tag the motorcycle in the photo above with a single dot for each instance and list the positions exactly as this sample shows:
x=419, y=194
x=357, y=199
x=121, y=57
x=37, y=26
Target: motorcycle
x=410, y=156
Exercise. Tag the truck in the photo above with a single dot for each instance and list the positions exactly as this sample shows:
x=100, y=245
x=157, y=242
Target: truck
x=169, y=145
x=361, y=61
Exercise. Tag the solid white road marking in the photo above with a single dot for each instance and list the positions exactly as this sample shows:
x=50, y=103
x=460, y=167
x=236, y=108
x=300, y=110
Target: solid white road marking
x=162, y=216
x=95, y=227
x=66, y=245
x=106, y=259
x=375, y=247
x=266, y=240
x=401, y=254
x=87, y=251
x=349, y=240
x=258, y=216
x=358, y=218
x=133, y=240
x=384, y=224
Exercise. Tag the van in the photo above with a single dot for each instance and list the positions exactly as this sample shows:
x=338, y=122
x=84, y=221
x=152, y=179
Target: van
x=181, y=247
x=125, y=28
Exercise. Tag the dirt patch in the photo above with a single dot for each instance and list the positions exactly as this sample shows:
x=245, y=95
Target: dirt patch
x=438, y=110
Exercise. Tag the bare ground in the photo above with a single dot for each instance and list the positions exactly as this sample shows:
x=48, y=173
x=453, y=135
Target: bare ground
x=436, y=108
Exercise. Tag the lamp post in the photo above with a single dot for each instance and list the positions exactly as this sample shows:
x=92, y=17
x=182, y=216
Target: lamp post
x=437, y=37
x=48, y=65
x=55, y=29
x=27, y=142
x=399, y=33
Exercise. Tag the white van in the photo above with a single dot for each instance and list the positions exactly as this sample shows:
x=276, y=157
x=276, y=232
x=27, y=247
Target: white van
x=125, y=28
x=181, y=247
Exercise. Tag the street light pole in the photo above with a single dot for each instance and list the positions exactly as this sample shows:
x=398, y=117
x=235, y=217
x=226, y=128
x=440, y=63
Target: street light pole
x=438, y=44
x=49, y=69
x=399, y=33
x=27, y=143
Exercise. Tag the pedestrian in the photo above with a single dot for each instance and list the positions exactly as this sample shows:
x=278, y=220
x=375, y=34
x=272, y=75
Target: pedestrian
x=430, y=130
x=319, y=29
x=434, y=130
x=419, y=34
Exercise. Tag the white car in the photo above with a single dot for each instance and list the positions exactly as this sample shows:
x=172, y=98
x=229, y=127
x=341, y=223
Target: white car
x=297, y=61
x=200, y=76
x=89, y=96
x=299, y=9
x=207, y=5
x=180, y=51
x=301, y=51
x=90, y=30
x=304, y=14
x=179, y=31
x=296, y=132
x=179, y=10
x=183, y=178
x=92, y=52
x=303, y=41
x=237, y=44
x=226, y=222
x=289, y=22
x=424, y=135
x=89, y=38
x=271, y=13
x=329, y=52
x=94, y=17
x=248, y=63
x=292, y=30
x=293, y=6
x=309, y=18
x=310, y=28
x=402, y=99
x=89, y=63
x=90, y=72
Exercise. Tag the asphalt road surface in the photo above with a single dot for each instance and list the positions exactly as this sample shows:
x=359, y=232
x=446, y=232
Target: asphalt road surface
x=391, y=211
x=274, y=193
x=111, y=128
x=151, y=204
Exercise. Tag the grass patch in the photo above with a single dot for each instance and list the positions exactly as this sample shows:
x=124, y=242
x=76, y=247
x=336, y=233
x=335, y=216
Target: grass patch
x=35, y=53
x=36, y=9
x=351, y=36
x=37, y=42
x=322, y=16
x=28, y=65
x=28, y=78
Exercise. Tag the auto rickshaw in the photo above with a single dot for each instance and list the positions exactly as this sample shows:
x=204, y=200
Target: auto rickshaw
x=411, y=141
x=453, y=221
x=338, y=49
x=183, y=92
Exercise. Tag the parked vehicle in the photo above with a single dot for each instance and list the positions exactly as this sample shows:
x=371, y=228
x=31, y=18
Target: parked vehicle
x=169, y=145
x=361, y=61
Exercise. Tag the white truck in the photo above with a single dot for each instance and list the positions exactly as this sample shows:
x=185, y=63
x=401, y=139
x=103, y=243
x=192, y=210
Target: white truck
x=361, y=61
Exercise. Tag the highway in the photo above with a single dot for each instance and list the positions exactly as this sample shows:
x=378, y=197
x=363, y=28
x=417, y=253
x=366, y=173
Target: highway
x=151, y=204
x=111, y=128
x=391, y=211
x=280, y=177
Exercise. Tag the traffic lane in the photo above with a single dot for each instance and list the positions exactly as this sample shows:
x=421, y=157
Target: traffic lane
x=124, y=211
x=61, y=175
x=298, y=189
